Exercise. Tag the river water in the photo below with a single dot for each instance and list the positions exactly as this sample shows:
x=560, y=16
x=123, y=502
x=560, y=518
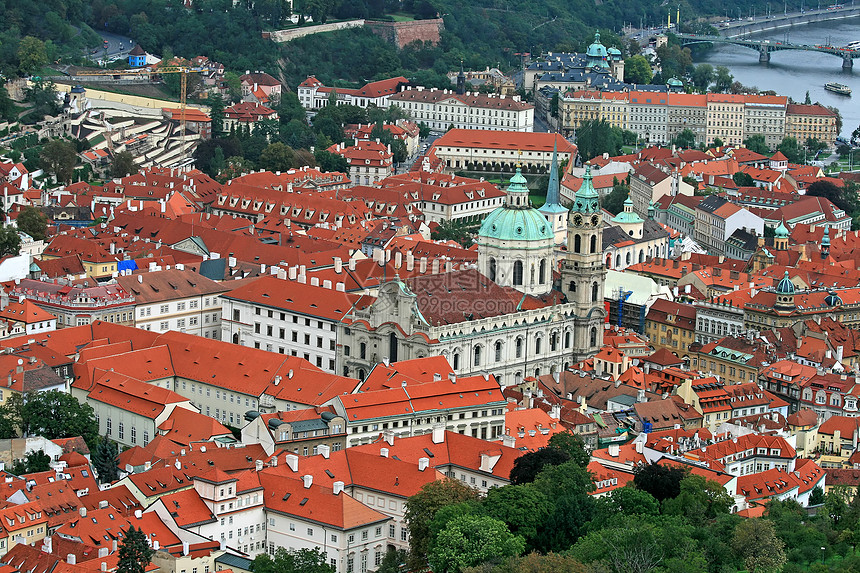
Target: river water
x=793, y=73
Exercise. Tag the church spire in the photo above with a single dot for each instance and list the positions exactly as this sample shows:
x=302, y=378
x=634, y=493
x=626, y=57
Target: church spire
x=825, y=243
x=586, y=200
x=553, y=193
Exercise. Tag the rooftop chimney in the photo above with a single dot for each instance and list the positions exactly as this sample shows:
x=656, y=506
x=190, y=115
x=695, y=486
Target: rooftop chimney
x=423, y=464
x=337, y=487
x=308, y=479
x=292, y=461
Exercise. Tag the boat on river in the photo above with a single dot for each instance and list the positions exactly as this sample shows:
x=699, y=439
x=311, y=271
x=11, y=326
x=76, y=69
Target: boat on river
x=837, y=88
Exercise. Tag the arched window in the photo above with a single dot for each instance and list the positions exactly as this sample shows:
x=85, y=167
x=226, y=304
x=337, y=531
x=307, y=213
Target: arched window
x=553, y=342
x=641, y=256
x=498, y=351
x=594, y=292
x=477, y=361
x=572, y=286
x=492, y=269
x=519, y=347
x=617, y=260
x=361, y=374
x=577, y=243
x=567, y=341
x=362, y=350
x=593, y=336
x=542, y=272
x=628, y=257
x=537, y=372
x=537, y=345
x=593, y=243
x=518, y=273
x=456, y=361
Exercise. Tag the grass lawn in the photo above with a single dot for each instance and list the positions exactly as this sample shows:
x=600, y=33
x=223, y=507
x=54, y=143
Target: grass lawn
x=401, y=17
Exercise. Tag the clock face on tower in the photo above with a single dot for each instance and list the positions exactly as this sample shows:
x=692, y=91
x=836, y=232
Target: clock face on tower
x=577, y=220
x=595, y=220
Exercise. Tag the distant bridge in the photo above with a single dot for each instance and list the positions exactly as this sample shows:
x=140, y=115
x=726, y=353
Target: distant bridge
x=765, y=47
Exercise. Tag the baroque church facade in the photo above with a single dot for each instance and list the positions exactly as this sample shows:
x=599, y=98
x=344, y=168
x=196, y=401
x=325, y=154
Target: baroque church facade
x=518, y=314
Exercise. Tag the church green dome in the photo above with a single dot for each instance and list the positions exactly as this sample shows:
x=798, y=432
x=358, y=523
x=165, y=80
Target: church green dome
x=596, y=52
x=781, y=231
x=505, y=224
x=628, y=215
x=785, y=286
x=517, y=220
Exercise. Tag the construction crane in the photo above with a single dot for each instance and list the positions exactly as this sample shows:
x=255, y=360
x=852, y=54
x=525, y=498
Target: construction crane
x=184, y=70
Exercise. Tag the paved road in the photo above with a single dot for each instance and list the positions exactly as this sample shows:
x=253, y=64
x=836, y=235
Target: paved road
x=118, y=47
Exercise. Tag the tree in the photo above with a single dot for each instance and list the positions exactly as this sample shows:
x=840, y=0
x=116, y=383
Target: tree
x=637, y=70
x=452, y=230
x=290, y=108
x=661, y=481
x=35, y=461
x=422, y=507
x=703, y=75
x=134, y=552
x=105, y=460
x=814, y=145
x=31, y=55
x=331, y=162
x=699, y=499
x=277, y=157
x=528, y=466
x=817, y=496
x=234, y=86
x=755, y=541
x=625, y=500
x=571, y=444
x=686, y=139
x=596, y=137
x=757, y=144
x=216, y=112
x=791, y=149
x=10, y=242
x=54, y=414
x=553, y=105
x=59, y=157
x=742, y=179
x=8, y=109
x=33, y=222
x=723, y=79
x=568, y=486
x=614, y=202
x=522, y=507
x=470, y=540
x=392, y=561
x=532, y=563
x=718, y=142
x=807, y=100
x=301, y=561
x=122, y=165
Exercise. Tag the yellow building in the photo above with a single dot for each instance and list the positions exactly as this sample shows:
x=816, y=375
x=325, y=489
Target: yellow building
x=614, y=109
x=23, y=523
x=672, y=326
x=803, y=122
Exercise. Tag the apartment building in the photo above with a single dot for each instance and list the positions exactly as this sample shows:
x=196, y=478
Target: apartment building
x=649, y=116
x=687, y=111
x=314, y=95
x=804, y=122
x=481, y=149
x=725, y=118
x=296, y=318
x=175, y=299
x=765, y=115
x=717, y=220
x=440, y=109
x=614, y=109
x=369, y=161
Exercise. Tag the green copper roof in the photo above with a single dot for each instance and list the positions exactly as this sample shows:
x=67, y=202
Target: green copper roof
x=553, y=192
x=825, y=240
x=586, y=199
x=515, y=223
x=781, y=231
x=628, y=215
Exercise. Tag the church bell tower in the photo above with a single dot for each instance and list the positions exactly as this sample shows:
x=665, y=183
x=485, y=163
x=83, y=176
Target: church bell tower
x=583, y=273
